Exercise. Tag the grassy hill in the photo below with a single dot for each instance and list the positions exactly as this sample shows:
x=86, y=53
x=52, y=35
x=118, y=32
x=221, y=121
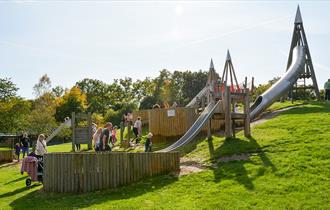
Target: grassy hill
x=286, y=166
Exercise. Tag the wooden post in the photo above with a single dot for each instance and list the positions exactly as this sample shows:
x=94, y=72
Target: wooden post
x=89, y=123
x=227, y=103
x=122, y=129
x=247, y=130
x=252, y=85
x=209, y=126
x=233, y=121
x=203, y=103
x=73, y=118
x=129, y=131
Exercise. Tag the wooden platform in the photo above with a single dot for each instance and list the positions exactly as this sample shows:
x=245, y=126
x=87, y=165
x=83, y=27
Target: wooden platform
x=234, y=116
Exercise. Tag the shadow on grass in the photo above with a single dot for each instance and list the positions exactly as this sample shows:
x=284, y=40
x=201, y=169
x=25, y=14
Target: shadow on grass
x=43, y=200
x=235, y=169
x=16, y=180
x=17, y=191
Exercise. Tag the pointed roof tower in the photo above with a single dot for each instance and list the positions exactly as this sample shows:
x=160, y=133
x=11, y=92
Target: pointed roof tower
x=299, y=39
x=211, y=64
x=229, y=71
x=298, y=18
x=228, y=57
x=212, y=77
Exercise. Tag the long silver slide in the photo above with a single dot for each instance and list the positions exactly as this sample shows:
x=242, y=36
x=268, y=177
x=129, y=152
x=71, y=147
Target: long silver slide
x=194, y=129
x=199, y=95
x=67, y=123
x=282, y=86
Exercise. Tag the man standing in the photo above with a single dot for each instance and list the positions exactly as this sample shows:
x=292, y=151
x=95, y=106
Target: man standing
x=327, y=90
x=104, y=146
x=25, y=144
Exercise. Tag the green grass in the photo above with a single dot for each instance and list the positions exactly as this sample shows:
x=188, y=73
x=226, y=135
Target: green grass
x=280, y=105
x=288, y=169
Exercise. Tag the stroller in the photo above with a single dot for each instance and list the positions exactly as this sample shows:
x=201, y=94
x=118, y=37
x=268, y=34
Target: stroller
x=36, y=170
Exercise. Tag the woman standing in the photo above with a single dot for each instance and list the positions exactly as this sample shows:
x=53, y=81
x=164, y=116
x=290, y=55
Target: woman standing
x=137, y=129
x=25, y=144
x=41, y=145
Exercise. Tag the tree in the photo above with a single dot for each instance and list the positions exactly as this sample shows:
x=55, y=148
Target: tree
x=8, y=89
x=177, y=81
x=98, y=95
x=58, y=91
x=148, y=102
x=159, y=81
x=193, y=82
x=43, y=86
x=13, y=114
x=73, y=100
x=41, y=118
x=274, y=80
x=143, y=88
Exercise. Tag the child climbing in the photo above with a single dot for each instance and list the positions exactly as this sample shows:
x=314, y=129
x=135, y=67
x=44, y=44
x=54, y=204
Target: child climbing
x=148, y=143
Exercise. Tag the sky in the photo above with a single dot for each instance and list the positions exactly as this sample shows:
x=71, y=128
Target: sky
x=106, y=40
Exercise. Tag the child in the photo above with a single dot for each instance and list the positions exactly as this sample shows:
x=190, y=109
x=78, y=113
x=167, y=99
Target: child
x=148, y=143
x=236, y=108
x=97, y=139
x=113, y=135
x=17, y=151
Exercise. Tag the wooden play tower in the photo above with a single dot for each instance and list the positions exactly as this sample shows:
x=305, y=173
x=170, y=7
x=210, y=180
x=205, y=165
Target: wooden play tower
x=299, y=39
x=231, y=95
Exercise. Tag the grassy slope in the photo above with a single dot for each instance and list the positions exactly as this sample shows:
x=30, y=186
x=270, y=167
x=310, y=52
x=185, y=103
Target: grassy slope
x=289, y=168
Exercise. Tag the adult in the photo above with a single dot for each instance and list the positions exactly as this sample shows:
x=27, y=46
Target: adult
x=25, y=141
x=137, y=129
x=327, y=90
x=41, y=147
x=124, y=119
x=94, y=127
x=106, y=133
x=97, y=139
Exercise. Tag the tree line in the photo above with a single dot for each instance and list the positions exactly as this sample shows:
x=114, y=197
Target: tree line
x=106, y=101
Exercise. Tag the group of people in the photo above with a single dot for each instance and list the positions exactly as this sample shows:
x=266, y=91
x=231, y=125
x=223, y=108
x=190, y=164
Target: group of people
x=24, y=144
x=105, y=138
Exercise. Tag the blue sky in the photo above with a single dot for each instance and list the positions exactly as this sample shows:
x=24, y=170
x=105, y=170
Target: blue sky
x=72, y=40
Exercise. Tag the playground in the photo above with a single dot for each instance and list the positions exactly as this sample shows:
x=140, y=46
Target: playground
x=285, y=168
x=223, y=149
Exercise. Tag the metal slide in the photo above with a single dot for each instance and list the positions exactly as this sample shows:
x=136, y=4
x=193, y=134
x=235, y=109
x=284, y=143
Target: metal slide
x=199, y=95
x=283, y=85
x=194, y=129
x=67, y=123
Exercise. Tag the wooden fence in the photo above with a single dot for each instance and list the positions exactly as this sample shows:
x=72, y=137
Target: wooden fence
x=84, y=172
x=164, y=125
x=144, y=114
x=6, y=156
